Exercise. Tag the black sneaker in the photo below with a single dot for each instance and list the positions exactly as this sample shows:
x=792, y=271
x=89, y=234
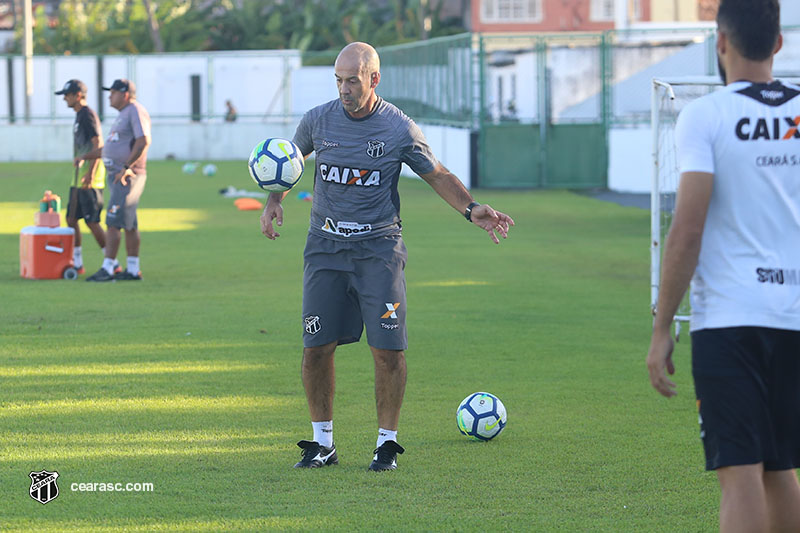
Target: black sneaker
x=316, y=456
x=101, y=275
x=127, y=276
x=386, y=456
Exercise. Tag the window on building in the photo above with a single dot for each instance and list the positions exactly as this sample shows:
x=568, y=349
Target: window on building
x=511, y=10
x=602, y=10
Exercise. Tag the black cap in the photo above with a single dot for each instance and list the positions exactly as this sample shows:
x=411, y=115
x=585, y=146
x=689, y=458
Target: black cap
x=73, y=86
x=122, y=85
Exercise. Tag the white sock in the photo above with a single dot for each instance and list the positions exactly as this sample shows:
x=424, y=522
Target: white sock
x=384, y=435
x=323, y=433
x=77, y=256
x=116, y=263
x=108, y=264
x=133, y=265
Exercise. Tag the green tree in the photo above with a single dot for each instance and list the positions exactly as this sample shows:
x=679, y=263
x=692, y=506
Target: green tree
x=126, y=26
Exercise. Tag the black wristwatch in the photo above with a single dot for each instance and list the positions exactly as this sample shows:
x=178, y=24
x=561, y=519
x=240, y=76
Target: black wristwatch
x=468, y=210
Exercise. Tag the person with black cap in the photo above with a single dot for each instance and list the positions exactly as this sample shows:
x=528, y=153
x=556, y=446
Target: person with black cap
x=87, y=181
x=125, y=157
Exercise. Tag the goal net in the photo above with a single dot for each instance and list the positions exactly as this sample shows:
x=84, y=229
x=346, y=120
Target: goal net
x=669, y=97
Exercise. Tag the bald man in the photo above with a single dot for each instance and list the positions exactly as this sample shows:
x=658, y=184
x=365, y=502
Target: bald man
x=354, y=255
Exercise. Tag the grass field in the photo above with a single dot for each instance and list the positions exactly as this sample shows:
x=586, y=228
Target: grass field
x=190, y=379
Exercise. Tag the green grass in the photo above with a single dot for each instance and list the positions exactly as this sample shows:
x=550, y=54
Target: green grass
x=190, y=380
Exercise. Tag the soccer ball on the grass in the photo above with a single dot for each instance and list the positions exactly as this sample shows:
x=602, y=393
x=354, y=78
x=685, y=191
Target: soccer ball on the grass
x=481, y=416
x=276, y=164
x=209, y=170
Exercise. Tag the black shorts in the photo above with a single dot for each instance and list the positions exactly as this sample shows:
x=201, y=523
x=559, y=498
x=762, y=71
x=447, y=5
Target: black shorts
x=747, y=382
x=85, y=203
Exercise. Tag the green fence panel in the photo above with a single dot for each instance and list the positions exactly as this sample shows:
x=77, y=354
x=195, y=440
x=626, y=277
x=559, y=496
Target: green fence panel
x=510, y=156
x=577, y=156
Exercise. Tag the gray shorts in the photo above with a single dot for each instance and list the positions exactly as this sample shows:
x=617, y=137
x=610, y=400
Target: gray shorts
x=121, y=210
x=347, y=285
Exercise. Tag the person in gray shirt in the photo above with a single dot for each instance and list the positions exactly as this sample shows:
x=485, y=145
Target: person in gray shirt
x=125, y=157
x=354, y=256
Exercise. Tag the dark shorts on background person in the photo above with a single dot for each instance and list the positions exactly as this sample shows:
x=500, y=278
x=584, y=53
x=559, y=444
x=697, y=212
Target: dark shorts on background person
x=747, y=382
x=350, y=285
x=85, y=203
x=123, y=201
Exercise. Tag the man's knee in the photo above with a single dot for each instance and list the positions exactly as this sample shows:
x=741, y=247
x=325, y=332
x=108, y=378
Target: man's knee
x=316, y=354
x=740, y=476
x=389, y=359
x=780, y=480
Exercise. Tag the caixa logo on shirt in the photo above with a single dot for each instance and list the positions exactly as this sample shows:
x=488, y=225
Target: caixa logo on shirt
x=776, y=129
x=349, y=176
x=778, y=276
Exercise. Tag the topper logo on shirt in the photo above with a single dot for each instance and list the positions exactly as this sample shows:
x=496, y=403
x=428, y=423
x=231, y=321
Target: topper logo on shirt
x=376, y=149
x=769, y=132
x=349, y=176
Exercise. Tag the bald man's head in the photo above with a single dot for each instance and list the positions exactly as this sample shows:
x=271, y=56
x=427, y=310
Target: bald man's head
x=357, y=71
x=361, y=56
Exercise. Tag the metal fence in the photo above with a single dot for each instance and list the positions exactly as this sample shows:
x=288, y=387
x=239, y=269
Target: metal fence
x=540, y=104
x=552, y=78
x=433, y=81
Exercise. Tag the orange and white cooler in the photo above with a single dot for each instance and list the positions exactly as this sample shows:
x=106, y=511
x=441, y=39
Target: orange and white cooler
x=46, y=252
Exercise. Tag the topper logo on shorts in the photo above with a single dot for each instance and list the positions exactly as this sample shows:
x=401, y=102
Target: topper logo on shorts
x=349, y=176
x=345, y=229
x=391, y=310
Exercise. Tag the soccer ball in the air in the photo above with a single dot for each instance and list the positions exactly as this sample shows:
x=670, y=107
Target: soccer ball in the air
x=276, y=164
x=481, y=416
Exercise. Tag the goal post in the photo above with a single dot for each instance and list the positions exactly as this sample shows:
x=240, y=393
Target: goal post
x=669, y=97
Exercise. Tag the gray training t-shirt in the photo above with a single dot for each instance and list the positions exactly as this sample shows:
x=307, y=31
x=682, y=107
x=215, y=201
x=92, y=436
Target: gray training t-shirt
x=132, y=122
x=358, y=164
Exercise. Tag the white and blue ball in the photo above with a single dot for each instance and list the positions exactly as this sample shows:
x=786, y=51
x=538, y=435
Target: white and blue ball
x=209, y=170
x=276, y=164
x=481, y=416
